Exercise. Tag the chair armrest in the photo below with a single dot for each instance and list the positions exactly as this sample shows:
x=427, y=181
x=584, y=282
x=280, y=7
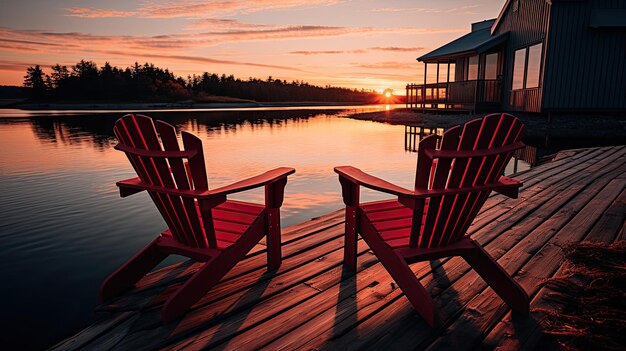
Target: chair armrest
x=356, y=176
x=506, y=186
x=130, y=186
x=510, y=187
x=266, y=178
x=135, y=185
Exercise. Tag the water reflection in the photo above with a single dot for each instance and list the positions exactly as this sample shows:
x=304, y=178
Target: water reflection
x=99, y=129
x=413, y=135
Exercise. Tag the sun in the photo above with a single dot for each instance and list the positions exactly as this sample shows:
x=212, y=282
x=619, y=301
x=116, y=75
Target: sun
x=388, y=93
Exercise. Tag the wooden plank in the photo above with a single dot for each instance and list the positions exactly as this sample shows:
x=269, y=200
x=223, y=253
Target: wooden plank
x=344, y=286
x=231, y=297
x=289, y=234
x=576, y=172
x=293, y=301
x=312, y=302
x=608, y=226
x=513, y=333
x=622, y=233
x=93, y=331
x=404, y=329
x=542, y=181
x=137, y=298
x=559, y=199
x=570, y=224
x=110, y=340
x=546, y=171
x=455, y=269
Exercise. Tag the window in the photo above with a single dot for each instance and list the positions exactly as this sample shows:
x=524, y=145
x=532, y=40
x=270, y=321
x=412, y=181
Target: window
x=527, y=67
x=534, y=66
x=519, y=65
x=472, y=68
x=443, y=72
x=491, y=66
x=452, y=71
x=431, y=73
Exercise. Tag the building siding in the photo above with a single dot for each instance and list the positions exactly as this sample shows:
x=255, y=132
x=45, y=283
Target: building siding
x=585, y=68
x=528, y=25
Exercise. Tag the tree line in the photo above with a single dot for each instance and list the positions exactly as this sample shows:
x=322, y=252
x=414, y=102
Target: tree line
x=86, y=81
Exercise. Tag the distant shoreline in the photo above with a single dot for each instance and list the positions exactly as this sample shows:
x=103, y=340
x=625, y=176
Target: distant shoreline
x=169, y=105
x=565, y=126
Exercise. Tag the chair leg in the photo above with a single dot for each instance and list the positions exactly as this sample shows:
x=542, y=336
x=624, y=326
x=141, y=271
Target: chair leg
x=133, y=270
x=197, y=286
x=210, y=274
x=400, y=271
x=499, y=280
x=351, y=236
x=274, y=254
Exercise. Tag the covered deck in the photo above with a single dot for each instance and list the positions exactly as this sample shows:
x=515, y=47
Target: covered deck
x=313, y=302
x=465, y=74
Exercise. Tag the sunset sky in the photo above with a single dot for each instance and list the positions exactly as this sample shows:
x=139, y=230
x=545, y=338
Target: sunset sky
x=370, y=44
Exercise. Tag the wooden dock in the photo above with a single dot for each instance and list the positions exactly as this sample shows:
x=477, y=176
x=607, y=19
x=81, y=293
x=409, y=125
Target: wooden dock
x=312, y=302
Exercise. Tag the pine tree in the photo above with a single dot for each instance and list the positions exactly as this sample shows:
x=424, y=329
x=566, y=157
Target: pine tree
x=35, y=79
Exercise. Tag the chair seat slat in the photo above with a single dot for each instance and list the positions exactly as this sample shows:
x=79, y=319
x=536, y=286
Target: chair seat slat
x=241, y=207
x=383, y=205
x=235, y=217
x=390, y=214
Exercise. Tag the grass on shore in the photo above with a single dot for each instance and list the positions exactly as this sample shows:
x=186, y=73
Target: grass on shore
x=591, y=297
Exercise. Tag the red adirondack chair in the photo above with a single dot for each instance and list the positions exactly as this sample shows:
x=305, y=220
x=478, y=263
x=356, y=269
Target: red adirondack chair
x=431, y=221
x=203, y=224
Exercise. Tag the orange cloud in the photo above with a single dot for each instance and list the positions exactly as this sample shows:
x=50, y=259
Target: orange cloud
x=358, y=51
x=14, y=66
x=426, y=9
x=385, y=65
x=394, y=48
x=328, y=52
x=242, y=32
x=199, y=59
x=87, y=12
x=194, y=9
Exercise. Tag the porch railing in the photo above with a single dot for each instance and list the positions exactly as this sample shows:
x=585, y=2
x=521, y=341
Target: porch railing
x=454, y=95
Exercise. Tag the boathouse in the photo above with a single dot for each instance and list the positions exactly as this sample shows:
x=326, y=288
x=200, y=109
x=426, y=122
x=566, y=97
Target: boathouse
x=536, y=56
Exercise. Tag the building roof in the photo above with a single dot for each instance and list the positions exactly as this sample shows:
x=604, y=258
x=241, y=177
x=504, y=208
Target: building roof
x=477, y=41
x=500, y=15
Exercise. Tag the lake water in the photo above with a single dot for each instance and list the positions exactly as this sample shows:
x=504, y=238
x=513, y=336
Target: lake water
x=64, y=227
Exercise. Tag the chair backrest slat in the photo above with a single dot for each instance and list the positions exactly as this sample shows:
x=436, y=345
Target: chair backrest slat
x=174, y=203
x=448, y=217
x=422, y=174
x=168, y=137
x=449, y=141
x=197, y=170
x=156, y=168
x=509, y=131
x=127, y=131
x=450, y=202
x=483, y=140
